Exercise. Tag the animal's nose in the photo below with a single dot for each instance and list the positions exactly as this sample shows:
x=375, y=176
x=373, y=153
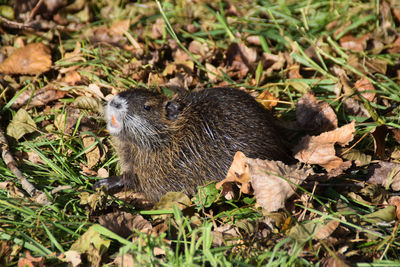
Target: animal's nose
x=115, y=104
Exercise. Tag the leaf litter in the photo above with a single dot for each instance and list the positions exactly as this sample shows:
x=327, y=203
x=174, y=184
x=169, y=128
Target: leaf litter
x=340, y=85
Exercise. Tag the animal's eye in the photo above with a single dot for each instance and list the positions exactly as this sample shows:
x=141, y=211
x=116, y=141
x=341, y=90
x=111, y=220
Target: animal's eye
x=146, y=107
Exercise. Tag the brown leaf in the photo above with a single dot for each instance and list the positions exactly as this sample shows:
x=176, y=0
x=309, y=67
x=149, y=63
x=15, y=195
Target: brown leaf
x=30, y=261
x=119, y=27
x=269, y=181
x=32, y=59
x=320, y=149
x=326, y=231
x=364, y=84
x=72, y=77
x=273, y=62
x=210, y=73
x=396, y=134
x=224, y=232
x=355, y=108
x=338, y=260
x=66, y=122
x=385, y=173
x=270, y=189
x=353, y=43
x=125, y=260
x=367, y=65
x=379, y=135
x=197, y=48
x=294, y=72
x=39, y=98
x=73, y=258
x=238, y=172
x=93, y=154
x=241, y=59
x=123, y=223
x=267, y=99
x=396, y=13
x=314, y=115
x=395, y=201
x=395, y=46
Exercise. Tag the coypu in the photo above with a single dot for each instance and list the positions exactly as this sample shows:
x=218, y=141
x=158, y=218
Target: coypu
x=180, y=143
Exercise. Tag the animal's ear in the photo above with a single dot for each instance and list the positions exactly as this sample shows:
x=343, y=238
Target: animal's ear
x=173, y=108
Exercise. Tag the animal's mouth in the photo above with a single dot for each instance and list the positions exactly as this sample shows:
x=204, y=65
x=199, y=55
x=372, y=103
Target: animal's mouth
x=115, y=113
x=114, y=120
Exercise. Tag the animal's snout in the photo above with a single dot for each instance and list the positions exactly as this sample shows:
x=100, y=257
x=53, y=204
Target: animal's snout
x=115, y=103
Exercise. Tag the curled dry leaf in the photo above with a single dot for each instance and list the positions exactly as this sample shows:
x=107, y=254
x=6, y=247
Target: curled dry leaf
x=125, y=260
x=29, y=260
x=314, y=115
x=379, y=136
x=21, y=124
x=212, y=72
x=395, y=201
x=320, y=149
x=39, y=98
x=363, y=85
x=32, y=59
x=239, y=173
x=385, y=173
x=338, y=260
x=353, y=43
x=272, y=62
x=92, y=150
x=272, y=181
x=267, y=99
x=326, y=230
x=294, y=71
x=241, y=59
x=73, y=258
x=72, y=77
x=123, y=223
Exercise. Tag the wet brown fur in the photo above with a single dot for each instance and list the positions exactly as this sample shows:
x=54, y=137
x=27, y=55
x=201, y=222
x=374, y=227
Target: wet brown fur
x=196, y=144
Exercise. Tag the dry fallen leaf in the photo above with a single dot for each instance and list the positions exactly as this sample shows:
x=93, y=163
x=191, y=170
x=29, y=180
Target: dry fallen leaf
x=338, y=260
x=93, y=154
x=73, y=258
x=267, y=99
x=272, y=62
x=125, y=260
x=239, y=173
x=72, y=77
x=21, y=124
x=268, y=179
x=212, y=72
x=364, y=84
x=294, y=71
x=32, y=59
x=39, y=98
x=273, y=182
x=395, y=201
x=379, y=135
x=385, y=173
x=123, y=223
x=314, y=115
x=353, y=43
x=320, y=149
x=240, y=59
x=31, y=261
x=326, y=230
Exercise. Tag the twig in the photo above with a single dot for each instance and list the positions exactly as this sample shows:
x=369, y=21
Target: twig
x=34, y=10
x=38, y=195
x=17, y=25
